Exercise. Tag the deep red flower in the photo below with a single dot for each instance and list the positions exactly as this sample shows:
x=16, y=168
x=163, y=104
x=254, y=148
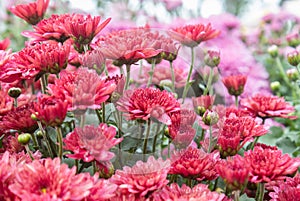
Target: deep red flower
x=268, y=106
x=194, y=163
x=19, y=119
x=234, y=171
x=203, y=103
x=48, y=179
x=32, y=13
x=128, y=46
x=4, y=44
x=193, y=35
x=82, y=89
x=269, y=164
x=92, y=143
x=143, y=178
x=200, y=192
x=144, y=103
x=50, y=111
x=235, y=84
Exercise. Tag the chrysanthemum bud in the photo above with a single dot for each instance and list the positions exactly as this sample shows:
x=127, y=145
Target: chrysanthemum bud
x=210, y=117
x=24, y=138
x=292, y=74
x=293, y=58
x=14, y=92
x=212, y=58
x=105, y=169
x=293, y=39
x=166, y=83
x=39, y=134
x=275, y=86
x=200, y=110
x=34, y=117
x=273, y=51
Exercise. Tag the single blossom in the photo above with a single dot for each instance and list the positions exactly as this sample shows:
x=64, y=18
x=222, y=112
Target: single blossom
x=235, y=84
x=144, y=103
x=4, y=44
x=143, y=178
x=268, y=106
x=92, y=143
x=193, y=35
x=32, y=13
x=268, y=164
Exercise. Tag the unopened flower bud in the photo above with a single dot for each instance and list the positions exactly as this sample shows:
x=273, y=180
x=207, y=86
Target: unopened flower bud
x=34, y=117
x=14, y=92
x=210, y=117
x=212, y=58
x=293, y=58
x=293, y=39
x=273, y=51
x=200, y=110
x=292, y=74
x=275, y=86
x=39, y=134
x=24, y=138
x=166, y=83
x=105, y=169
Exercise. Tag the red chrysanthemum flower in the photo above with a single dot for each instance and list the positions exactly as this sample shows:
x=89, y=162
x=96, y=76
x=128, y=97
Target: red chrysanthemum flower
x=193, y=35
x=92, y=143
x=82, y=89
x=83, y=28
x=203, y=103
x=143, y=178
x=48, y=180
x=234, y=171
x=200, y=192
x=268, y=106
x=32, y=13
x=148, y=102
x=269, y=164
x=288, y=190
x=4, y=44
x=128, y=46
x=19, y=119
x=50, y=111
x=52, y=28
x=194, y=163
x=235, y=84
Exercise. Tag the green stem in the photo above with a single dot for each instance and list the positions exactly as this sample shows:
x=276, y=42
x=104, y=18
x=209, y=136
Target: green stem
x=48, y=146
x=103, y=112
x=98, y=115
x=209, y=81
x=236, y=195
x=146, y=137
x=151, y=72
x=216, y=184
x=210, y=139
x=82, y=120
x=282, y=73
x=187, y=84
x=94, y=167
x=141, y=68
x=44, y=83
x=173, y=76
x=236, y=101
x=77, y=165
x=15, y=102
x=298, y=68
x=28, y=151
x=35, y=143
x=127, y=76
x=261, y=191
x=155, y=137
x=60, y=141
x=189, y=182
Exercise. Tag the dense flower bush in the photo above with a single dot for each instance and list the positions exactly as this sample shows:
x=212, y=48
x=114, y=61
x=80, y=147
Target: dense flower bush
x=94, y=108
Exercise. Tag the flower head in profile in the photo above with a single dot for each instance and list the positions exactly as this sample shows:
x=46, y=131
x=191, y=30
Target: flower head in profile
x=143, y=178
x=48, y=179
x=235, y=84
x=268, y=106
x=50, y=111
x=94, y=60
x=144, y=103
x=234, y=171
x=267, y=164
x=92, y=143
x=193, y=35
x=203, y=103
x=194, y=163
x=4, y=44
x=199, y=192
x=32, y=13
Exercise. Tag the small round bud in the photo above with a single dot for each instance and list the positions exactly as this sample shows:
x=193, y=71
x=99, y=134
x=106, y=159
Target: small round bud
x=34, y=117
x=293, y=39
x=212, y=58
x=166, y=83
x=275, y=86
x=167, y=132
x=210, y=117
x=200, y=110
x=14, y=92
x=39, y=134
x=293, y=58
x=292, y=74
x=24, y=138
x=273, y=51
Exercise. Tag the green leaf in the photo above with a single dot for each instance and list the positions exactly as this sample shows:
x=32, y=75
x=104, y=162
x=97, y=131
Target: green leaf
x=271, y=138
x=244, y=197
x=286, y=145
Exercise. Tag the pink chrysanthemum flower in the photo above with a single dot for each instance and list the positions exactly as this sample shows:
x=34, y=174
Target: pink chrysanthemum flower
x=193, y=35
x=288, y=190
x=200, y=192
x=32, y=13
x=4, y=44
x=268, y=106
x=92, y=143
x=82, y=89
x=94, y=60
x=19, y=119
x=148, y=102
x=48, y=179
x=143, y=178
x=194, y=163
x=234, y=171
x=102, y=190
x=50, y=111
x=235, y=84
x=269, y=164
